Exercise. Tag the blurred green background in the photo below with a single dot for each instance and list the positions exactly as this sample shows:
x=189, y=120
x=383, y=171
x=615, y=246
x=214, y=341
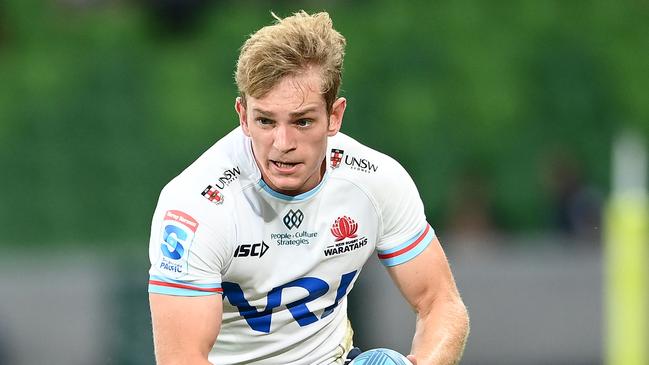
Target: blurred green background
x=103, y=102
x=502, y=111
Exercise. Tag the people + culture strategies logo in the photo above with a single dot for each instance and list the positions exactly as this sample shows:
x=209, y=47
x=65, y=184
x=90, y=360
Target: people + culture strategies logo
x=293, y=220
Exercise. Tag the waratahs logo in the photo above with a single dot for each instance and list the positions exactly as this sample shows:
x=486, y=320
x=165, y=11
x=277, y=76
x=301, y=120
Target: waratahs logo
x=178, y=232
x=344, y=227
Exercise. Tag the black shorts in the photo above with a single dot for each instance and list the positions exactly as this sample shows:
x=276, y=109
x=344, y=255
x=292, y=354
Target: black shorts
x=355, y=351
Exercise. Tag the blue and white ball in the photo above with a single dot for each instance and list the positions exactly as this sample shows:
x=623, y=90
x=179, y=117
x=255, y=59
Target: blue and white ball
x=380, y=357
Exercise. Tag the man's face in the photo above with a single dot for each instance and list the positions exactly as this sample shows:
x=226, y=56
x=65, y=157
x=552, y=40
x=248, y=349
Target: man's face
x=289, y=127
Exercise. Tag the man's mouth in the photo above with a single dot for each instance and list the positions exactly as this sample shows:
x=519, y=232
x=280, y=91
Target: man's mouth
x=283, y=164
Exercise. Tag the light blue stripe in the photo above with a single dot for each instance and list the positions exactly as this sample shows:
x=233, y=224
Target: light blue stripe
x=298, y=197
x=414, y=252
x=167, y=280
x=157, y=289
x=407, y=243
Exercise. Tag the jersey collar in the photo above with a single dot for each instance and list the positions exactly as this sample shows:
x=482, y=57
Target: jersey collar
x=294, y=198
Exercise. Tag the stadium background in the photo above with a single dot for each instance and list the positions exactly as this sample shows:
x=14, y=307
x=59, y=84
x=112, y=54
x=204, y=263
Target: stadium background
x=504, y=112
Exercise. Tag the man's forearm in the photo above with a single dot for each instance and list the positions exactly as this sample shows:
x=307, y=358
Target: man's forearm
x=441, y=333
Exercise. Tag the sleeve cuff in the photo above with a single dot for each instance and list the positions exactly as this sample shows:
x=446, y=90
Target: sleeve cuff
x=162, y=285
x=409, y=249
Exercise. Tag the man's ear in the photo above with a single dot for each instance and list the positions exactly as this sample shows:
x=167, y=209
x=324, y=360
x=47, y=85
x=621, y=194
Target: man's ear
x=336, y=116
x=241, y=110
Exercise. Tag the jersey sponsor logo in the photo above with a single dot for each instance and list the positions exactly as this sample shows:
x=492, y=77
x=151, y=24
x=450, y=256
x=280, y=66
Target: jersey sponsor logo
x=360, y=164
x=227, y=177
x=344, y=227
x=336, y=157
x=293, y=219
x=260, y=319
x=293, y=239
x=212, y=194
x=344, y=247
x=251, y=249
x=178, y=231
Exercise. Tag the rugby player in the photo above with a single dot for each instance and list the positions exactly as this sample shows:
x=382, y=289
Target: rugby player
x=255, y=246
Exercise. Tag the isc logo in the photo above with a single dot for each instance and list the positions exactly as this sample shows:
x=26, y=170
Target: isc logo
x=248, y=249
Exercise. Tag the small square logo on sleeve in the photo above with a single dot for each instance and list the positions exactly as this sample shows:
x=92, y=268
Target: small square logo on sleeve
x=336, y=157
x=213, y=194
x=178, y=230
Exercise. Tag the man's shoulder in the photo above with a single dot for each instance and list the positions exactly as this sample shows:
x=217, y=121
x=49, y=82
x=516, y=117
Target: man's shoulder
x=214, y=178
x=351, y=159
x=226, y=162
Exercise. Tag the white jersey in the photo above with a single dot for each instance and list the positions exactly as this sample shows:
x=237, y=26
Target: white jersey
x=284, y=264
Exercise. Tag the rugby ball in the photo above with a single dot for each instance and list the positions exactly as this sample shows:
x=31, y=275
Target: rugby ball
x=380, y=357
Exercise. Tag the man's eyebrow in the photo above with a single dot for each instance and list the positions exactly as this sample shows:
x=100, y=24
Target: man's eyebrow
x=262, y=112
x=295, y=114
x=300, y=113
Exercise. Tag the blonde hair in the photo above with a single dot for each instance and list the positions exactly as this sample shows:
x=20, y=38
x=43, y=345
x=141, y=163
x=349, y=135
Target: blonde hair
x=289, y=47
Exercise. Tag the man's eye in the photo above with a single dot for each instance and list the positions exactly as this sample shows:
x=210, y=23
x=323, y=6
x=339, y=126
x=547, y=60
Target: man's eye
x=264, y=121
x=304, y=122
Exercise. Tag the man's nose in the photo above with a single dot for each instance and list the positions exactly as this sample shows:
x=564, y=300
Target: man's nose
x=285, y=139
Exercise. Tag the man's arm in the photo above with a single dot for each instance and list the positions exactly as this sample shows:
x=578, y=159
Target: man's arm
x=184, y=328
x=442, y=319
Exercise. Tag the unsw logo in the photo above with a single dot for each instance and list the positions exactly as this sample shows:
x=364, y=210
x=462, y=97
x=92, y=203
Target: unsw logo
x=228, y=177
x=213, y=192
x=344, y=227
x=360, y=164
x=336, y=157
x=251, y=249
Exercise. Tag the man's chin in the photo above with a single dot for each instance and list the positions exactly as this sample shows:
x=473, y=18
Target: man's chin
x=286, y=186
x=290, y=190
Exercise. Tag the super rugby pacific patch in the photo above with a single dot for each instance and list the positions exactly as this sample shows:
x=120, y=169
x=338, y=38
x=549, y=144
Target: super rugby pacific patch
x=178, y=230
